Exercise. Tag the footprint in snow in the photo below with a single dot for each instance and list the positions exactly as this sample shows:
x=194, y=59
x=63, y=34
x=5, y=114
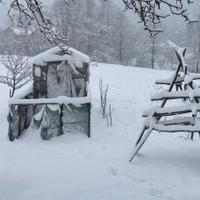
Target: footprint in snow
x=156, y=192
x=89, y=156
x=113, y=171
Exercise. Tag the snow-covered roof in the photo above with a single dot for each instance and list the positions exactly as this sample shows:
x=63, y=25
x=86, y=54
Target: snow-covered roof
x=58, y=54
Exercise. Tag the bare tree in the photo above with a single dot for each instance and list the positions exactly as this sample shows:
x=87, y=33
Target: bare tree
x=149, y=12
x=18, y=72
x=33, y=11
x=25, y=13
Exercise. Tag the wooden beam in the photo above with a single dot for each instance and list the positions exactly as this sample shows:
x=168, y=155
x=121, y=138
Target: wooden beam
x=176, y=128
x=169, y=81
x=178, y=80
x=178, y=121
x=57, y=100
x=172, y=110
x=176, y=95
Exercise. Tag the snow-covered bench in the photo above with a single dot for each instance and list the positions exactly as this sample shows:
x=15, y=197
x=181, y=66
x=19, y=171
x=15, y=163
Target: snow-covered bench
x=181, y=118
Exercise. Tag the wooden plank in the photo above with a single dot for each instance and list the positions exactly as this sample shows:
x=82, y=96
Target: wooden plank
x=179, y=80
x=176, y=128
x=178, y=120
x=57, y=100
x=171, y=110
x=176, y=95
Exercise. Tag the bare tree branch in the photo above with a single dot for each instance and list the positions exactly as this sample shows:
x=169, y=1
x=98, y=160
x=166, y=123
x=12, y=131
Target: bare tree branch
x=18, y=72
x=149, y=11
x=25, y=13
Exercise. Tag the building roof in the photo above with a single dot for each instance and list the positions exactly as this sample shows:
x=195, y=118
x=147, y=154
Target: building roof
x=63, y=53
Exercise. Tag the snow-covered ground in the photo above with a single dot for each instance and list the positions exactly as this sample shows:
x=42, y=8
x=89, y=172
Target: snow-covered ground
x=73, y=167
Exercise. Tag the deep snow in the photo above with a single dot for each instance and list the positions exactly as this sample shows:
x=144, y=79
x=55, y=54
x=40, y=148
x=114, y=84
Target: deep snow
x=73, y=167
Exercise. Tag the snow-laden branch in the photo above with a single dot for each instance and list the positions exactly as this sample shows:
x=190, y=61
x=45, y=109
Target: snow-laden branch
x=25, y=13
x=149, y=11
x=18, y=72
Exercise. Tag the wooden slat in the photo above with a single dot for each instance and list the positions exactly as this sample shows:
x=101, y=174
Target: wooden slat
x=178, y=121
x=176, y=95
x=176, y=128
x=174, y=110
x=169, y=81
x=179, y=80
x=168, y=111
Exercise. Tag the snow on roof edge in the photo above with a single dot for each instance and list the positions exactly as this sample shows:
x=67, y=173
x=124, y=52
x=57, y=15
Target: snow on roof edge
x=51, y=55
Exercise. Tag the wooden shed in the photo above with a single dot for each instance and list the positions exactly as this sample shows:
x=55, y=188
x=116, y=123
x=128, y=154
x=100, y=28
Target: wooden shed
x=58, y=99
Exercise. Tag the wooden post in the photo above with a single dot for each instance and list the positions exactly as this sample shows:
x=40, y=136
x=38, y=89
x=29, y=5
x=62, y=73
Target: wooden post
x=46, y=77
x=19, y=120
x=89, y=121
x=61, y=115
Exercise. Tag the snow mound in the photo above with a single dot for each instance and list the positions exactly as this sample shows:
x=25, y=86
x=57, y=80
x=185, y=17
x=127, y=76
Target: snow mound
x=77, y=168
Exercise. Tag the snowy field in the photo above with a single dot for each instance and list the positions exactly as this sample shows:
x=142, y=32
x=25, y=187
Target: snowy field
x=73, y=167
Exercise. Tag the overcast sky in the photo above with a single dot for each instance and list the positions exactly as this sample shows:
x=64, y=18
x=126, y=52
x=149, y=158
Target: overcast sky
x=4, y=20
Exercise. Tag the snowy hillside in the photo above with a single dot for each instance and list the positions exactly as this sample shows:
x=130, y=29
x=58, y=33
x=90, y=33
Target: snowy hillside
x=73, y=167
